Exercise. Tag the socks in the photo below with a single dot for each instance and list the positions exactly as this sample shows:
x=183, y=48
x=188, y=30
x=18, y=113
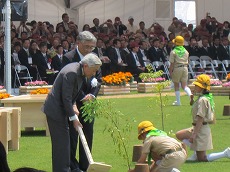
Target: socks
x=188, y=91
x=177, y=97
x=186, y=142
x=215, y=156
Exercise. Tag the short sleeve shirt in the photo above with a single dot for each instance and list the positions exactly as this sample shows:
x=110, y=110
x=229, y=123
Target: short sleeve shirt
x=202, y=108
x=174, y=58
x=159, y=145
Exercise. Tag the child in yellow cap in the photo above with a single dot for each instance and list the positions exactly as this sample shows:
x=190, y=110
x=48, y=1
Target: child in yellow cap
x=199, y=137
x=179, y=69
x=166, y=152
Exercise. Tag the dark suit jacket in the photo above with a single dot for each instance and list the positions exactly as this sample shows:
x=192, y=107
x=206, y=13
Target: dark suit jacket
x=41, y=63
x=102, y=49
x=132, y=67
x=56, y=63
x=204, y=52
x=121, y=28
x=23, y=57
x=114, y=59
x=219, y=53
x=73, y=56
x=154, y=55
x=94, y=29
x=64, y=93
x=193, y=51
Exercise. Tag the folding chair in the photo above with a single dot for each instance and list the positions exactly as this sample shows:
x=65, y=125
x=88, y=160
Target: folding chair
x=194, y=68
x=21, y=73
x=207, y=65
x=158, y=65
x=222, y=67
x=194, y=58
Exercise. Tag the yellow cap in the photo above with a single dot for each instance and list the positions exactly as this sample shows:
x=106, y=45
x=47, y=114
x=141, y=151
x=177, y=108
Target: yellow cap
x=203, y=81
x=144, y=126
x=179, y=40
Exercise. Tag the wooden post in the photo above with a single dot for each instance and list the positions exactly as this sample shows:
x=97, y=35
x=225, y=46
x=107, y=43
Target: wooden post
x=137, y=149
x=141, y=167
x=226, y=111
x=10, y=127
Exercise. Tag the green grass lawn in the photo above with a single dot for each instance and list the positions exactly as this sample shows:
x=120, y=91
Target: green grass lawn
x=35, y=147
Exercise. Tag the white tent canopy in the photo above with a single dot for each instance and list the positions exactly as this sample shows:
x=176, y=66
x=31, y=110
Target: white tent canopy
x=149, y=11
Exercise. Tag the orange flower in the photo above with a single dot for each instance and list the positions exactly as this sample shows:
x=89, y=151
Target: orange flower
x=118, y=78
x=228, y=77
x=4, y=95
x=40, y=91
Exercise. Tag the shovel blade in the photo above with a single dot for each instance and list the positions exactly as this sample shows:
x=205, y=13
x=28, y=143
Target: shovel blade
x=98, y=167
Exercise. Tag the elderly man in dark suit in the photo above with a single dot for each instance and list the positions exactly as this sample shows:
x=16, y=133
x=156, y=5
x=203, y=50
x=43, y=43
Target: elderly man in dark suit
x=60, y=107
x=86, y=42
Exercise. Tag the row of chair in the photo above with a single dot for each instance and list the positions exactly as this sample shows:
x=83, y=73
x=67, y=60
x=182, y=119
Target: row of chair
x=197, y=66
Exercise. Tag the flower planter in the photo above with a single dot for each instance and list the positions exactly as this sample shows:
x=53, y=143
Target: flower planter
x=133, y=86
x=216, y=90
x=3, y=91
x=28, y=89
x=114, y=89
x=149, y=87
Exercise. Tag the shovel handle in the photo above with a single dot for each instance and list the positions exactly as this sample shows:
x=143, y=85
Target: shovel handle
x=84, y=143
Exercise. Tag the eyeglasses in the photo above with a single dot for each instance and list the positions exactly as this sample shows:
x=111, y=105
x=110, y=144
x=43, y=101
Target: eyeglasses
x=88, y=47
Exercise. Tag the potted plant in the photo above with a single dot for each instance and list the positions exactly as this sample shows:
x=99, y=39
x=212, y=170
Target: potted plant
x=116, y=83
x=30, y=86
x=150, y=80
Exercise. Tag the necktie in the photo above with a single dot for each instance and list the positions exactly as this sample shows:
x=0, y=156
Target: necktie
x=136, y=58
x=227, y=49
x=46, y=59
x=100, y=52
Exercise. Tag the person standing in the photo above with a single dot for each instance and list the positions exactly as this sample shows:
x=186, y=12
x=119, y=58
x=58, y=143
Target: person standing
x=86, y=42
x=178, y=69
x=199, y=137
x=166, y=152
x=60, y=107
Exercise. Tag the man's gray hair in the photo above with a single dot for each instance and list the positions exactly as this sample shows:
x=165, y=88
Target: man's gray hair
x=86, y=36
x=91, y=60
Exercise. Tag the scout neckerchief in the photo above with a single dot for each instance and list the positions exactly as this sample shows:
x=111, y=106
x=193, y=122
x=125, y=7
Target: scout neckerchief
x=154, y=132
x=210, y=99
x=180, y=51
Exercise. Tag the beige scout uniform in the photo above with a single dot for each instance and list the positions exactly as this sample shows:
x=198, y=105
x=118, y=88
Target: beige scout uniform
x=160, y=145
x=203, y=140
x=180, y=71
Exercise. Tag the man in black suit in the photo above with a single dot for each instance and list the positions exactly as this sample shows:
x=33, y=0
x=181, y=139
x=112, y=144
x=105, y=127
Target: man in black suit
x=60, y=108
x=101, y=53
x=119, y=27
x=96, y=28
x=117, y=57
x=65, y=22
x=155, y=53
x=26, y=59
x=135, y=61
x=86, y=44
x=192, y=48
x=205, y=50
x=43, y=63
x=56, y=63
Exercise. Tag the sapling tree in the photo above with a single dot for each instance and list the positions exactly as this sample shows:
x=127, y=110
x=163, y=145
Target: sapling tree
x=118, y=125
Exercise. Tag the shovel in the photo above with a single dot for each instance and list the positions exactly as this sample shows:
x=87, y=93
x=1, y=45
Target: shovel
x=93, y=166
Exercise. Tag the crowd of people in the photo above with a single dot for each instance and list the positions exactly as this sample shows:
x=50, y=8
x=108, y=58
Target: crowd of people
x=122, y=46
